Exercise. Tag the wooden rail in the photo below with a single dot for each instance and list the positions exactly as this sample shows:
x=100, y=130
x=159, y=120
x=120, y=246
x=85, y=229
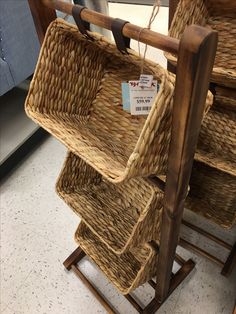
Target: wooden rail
x=146, y=36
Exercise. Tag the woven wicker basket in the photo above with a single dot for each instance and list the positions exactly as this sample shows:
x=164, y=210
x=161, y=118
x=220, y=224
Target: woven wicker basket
x=122, y=215
x=225, y=98
x=217, y=139
x=220, y=15
x=76, y=95
x=127, y=271
x=213, y=194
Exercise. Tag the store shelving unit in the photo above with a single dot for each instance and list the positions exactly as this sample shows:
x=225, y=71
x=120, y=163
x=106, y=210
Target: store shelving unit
x=18, y=134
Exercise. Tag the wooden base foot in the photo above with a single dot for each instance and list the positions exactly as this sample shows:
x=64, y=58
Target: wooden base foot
x=176, y=280
x=228, y=265
x=230, y=262
x=71, y=264
x=74, y=258
x=186, y=267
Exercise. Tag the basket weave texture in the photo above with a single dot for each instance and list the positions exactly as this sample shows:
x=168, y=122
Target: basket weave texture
x=76, y=95
x=225, y=98
x=127, y=271
x=220, y=16
x=123, y=215
x=213, y=194
x=213, y=180
x=217, y=139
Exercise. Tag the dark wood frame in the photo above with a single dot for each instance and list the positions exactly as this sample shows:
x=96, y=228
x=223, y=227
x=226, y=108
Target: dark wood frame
x=196, y=53
x=227, y=265
x=230, y=262
x=71, y=263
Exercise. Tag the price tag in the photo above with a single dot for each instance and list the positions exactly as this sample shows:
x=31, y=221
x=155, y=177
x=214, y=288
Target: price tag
x=145, y=80
x=141, y=98
x=125, y=96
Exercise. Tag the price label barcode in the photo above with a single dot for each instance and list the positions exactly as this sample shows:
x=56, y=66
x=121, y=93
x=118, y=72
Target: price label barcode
x=147, y=108
x=141, y=98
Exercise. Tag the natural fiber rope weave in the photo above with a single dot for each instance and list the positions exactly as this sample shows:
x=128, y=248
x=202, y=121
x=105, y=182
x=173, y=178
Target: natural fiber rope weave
x=219, y=18
x=217, y=139
x=127, y=271
x=225, y=98
x=213, y=194
x=76, y=95
x=213, y=180
x=122, y=216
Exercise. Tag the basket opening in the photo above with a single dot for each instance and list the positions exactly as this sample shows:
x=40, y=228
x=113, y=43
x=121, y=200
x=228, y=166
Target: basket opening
x=72, y=75
x=220, y=15
x=219, y=7
x=127, y=271
x=213, y=194
x=108, y=106
x=111, y=211
x=76, y=96
x=217, y=138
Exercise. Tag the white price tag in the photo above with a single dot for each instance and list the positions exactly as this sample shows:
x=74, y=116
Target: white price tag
x=141, y=98
x=145, y=80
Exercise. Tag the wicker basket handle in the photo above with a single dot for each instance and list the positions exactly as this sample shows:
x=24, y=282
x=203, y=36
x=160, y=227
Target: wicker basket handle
x=82, y=25
x=122, y=42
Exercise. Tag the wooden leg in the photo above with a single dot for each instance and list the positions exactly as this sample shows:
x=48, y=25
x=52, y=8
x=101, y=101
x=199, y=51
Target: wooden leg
x=207, y=234
x=194, y=248
x=71, y=264
x=230, y=262
x=74, y=258
x=186, y=267
x=228, y=265
x=176, y=280
x=94, y=291
x=195, y=62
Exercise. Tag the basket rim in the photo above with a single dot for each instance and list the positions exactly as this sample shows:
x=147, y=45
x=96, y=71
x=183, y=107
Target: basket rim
x=218, y=75
x=166, y=80
x=195, y=204
x=152, y=254
x=155, y=199
x=216, y=163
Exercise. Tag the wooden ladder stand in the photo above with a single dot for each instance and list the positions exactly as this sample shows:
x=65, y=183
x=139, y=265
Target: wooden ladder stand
x=230, y=262
x=196, y=52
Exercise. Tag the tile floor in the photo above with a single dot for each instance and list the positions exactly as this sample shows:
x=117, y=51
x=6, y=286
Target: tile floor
x=37, y=235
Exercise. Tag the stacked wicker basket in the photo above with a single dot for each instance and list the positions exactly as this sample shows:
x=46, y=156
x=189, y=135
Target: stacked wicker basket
x=213, y=181
x=76, y=95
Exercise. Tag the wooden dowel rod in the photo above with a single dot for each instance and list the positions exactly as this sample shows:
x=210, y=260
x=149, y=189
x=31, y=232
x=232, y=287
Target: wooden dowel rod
x=94, y=291
x=207, y=234
x=148, y=37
